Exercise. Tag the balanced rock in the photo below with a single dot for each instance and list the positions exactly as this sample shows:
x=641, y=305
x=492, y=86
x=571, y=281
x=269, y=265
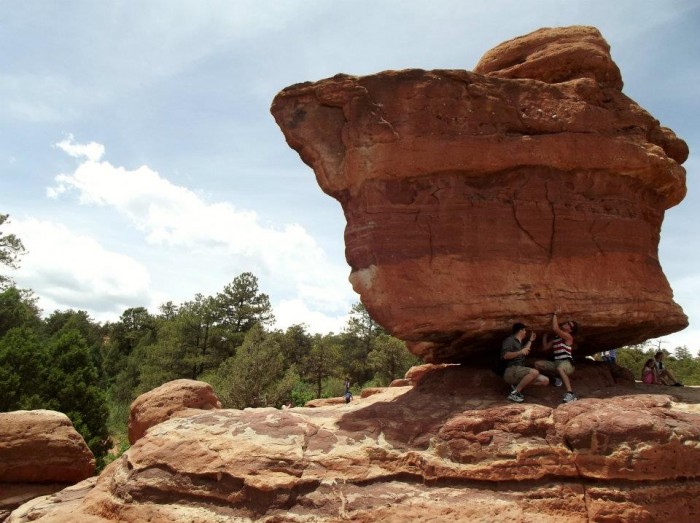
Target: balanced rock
x=41, y=446
x=178, y=398
x=452, y=448
x=477, y=199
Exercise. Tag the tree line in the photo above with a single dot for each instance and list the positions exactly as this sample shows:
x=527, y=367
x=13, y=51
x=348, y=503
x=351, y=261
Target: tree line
x=93, y=371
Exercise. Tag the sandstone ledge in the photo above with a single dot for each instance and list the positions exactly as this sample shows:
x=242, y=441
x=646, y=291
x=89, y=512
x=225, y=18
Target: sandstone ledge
x=451, y=448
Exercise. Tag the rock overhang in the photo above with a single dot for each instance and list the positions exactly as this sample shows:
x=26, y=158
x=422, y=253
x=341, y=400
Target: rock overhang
x=477, y=199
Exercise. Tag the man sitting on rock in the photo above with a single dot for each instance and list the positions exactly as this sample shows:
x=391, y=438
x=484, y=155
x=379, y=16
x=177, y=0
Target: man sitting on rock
x=562, y=367
x=664, y=375
x=513, y=353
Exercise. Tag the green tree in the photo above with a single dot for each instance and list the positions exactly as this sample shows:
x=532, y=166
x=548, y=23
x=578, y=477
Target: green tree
x=295, y=344
x=73, y=387
x=11, y=248
x=135, y=326
x=23, y=370
x=91, y=331
x=242, y=305
x=255, y=376
x=390, y=359
x=359, y=334
x=322, y=361
x=17, y=309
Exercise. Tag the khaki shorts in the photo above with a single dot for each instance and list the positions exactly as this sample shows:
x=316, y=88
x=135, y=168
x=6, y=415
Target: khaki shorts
x=514, y=374
x=554, y=366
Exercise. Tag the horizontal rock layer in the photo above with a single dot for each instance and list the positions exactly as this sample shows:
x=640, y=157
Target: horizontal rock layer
x=476, y=200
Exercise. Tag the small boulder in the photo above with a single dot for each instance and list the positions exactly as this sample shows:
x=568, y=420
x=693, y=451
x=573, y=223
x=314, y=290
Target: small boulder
x=42, y=446
x=178, y=398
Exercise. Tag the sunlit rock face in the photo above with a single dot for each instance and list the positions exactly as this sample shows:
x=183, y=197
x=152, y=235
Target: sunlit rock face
x=40, y=453
x=477, y=199
x=451, y=448
x=175, y=399
x=42, y=446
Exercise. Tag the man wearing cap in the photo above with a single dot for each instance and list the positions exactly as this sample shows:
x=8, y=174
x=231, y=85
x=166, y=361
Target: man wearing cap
x=513, y=352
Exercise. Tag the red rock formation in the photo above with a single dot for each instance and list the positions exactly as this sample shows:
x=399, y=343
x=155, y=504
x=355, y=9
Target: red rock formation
x=41, y=446
x=474, y=200
x=178, y=398
x=450, y=449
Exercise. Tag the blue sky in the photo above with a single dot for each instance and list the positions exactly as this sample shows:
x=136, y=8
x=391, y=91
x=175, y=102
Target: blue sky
x=140, y=163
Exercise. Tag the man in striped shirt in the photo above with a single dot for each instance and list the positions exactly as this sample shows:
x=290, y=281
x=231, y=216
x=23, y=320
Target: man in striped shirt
x=561, y=346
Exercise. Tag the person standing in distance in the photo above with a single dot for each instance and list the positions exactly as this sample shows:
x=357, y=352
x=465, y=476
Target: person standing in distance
x=513, y=352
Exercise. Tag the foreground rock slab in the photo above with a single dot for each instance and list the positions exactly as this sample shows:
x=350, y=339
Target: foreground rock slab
x=477, y=199
x=450, y=448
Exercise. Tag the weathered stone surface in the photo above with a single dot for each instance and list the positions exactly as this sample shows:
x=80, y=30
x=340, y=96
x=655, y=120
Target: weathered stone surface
x=324, y=402
x=476, y=200
x=554, y=55
x=178, y=398
x=450, y=449
x=67, y=499
x=41, y=446
x=12, y=495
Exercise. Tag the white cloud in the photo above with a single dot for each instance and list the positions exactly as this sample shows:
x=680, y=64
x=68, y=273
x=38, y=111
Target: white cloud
x=69, y=270
x=686, y=290
x=92, y=151
x=287, y=258
x=293, y=312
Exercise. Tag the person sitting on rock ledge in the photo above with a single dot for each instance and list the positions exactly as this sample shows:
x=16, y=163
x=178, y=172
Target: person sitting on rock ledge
x=562, y=366
x=517, y=374
x=649, y=373
x=664, y=375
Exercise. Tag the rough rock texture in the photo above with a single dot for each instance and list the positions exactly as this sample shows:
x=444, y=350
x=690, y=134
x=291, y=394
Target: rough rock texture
x=41, y=446
x=12, y=495
x=178, y=398
x=477, y=199
x=67, y=498
x=449, y=449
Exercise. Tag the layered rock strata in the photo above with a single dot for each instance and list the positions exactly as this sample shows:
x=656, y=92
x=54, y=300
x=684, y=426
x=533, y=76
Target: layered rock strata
x=477, y=199
x=449, y=449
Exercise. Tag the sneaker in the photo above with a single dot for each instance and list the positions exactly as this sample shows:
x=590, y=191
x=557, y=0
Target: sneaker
x=516, y=396
x=678, y=384
x=569, y=397
x=557, y=382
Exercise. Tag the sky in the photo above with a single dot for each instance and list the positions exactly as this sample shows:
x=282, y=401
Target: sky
x=140, y=164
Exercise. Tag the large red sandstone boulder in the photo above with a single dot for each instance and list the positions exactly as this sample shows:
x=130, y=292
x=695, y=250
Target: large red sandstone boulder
x=177, y=398
x=41, y=446
x=452, y=448
x=477, y=199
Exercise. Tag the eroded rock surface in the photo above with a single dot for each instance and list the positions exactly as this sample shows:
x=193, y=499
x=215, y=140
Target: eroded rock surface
x=41, y=446
x=40, y=453
x=449, y=449
x=477, y=199
x=178, y=398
